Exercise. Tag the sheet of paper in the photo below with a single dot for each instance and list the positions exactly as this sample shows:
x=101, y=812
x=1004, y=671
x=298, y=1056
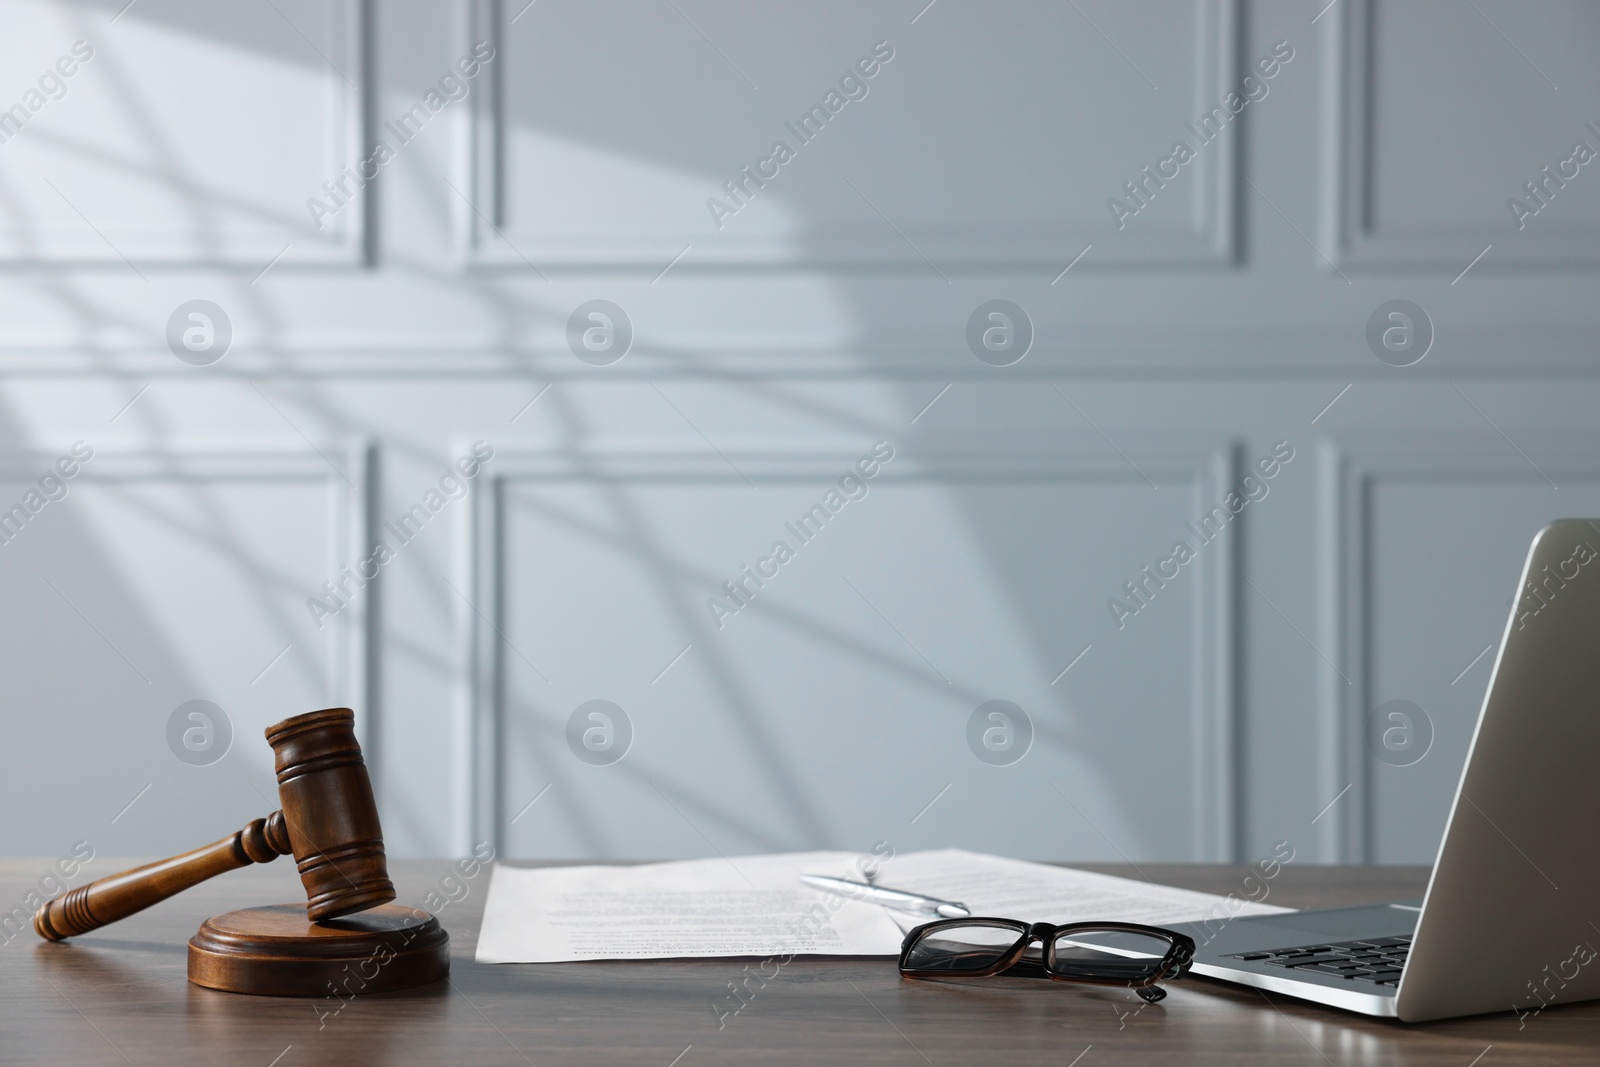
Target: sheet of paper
x=742, y=906
x=756, y=906
x=1038, y=892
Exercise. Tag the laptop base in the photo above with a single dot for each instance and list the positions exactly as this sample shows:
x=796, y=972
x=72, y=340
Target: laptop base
x=1218, y=942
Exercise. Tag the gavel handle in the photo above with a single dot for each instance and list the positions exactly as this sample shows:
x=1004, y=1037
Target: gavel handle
x=118, y=896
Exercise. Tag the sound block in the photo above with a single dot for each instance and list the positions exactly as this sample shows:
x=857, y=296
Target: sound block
x=276, y=951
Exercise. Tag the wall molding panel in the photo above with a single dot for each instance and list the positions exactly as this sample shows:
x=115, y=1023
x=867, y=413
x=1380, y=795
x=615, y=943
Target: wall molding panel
x=236, y=230
x=1349, y=545
x=483, y=809
x=350, y=533
x=1350, y=38
x=489, y=240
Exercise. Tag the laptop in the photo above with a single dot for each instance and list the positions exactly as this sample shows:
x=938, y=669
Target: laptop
x=1511, y=918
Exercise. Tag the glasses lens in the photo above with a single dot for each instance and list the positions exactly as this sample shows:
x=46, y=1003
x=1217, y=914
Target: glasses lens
x=1110, y=954
x=958, y=949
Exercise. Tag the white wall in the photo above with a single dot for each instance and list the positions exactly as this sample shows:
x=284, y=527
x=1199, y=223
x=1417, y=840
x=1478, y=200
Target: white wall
x=767, y=355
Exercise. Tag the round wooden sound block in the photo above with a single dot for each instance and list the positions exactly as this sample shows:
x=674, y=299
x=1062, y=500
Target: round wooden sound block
x=277, y=952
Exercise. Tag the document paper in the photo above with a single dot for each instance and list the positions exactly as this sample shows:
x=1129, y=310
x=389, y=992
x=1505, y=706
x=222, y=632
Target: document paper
x=742, y=906
x=756, y=905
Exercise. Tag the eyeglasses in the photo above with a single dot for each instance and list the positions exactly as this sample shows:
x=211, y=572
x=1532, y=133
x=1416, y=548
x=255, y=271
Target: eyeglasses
x=1099, y=953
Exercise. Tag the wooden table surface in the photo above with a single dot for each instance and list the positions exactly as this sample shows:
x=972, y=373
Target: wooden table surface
x=119, y=996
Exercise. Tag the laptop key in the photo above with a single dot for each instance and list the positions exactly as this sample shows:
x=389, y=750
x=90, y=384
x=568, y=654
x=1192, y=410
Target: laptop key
x=1383, y=954
x=1328, y=968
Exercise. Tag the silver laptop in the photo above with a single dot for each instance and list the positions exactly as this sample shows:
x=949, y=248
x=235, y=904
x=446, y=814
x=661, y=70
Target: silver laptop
x=1511, y=919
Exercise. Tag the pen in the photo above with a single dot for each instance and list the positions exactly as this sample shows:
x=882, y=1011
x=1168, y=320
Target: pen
x=898, y=899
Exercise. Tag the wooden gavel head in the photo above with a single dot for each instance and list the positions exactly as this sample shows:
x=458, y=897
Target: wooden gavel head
x=330, y=813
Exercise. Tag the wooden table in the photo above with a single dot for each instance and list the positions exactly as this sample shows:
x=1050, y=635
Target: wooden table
x=119, y=996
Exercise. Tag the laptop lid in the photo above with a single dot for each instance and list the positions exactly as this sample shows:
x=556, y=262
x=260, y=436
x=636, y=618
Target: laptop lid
x=1511, y=919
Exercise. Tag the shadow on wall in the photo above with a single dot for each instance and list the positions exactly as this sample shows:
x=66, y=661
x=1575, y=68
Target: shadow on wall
x=1026, y=578
x=92, y=677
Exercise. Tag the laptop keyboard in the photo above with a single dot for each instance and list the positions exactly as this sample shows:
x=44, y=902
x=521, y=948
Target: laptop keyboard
x=1378, y=960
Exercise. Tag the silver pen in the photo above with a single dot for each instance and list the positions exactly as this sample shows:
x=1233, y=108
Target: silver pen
x=898, y=899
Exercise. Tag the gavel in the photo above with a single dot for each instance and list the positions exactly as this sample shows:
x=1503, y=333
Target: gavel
x=328, y=820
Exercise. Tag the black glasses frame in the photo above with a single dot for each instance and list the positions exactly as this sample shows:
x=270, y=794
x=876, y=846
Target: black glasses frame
x=1174, y=964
